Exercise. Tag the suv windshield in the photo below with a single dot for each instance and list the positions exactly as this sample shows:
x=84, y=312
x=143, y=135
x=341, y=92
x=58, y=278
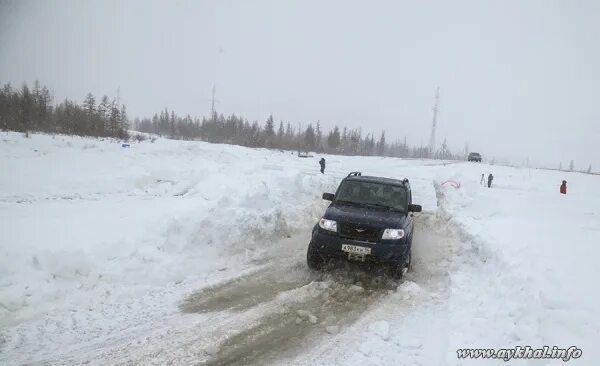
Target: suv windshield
x=373, y=194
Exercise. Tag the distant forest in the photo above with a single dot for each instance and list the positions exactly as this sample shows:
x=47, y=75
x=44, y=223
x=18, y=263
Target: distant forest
x=28, y=110
x=31, y=110
x=284, y=136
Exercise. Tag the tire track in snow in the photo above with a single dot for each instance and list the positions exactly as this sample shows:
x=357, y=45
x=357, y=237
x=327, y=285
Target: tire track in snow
x=265, y=317
x=305, y=305
x=334, y=305
x=295, y=310
x=242, y=293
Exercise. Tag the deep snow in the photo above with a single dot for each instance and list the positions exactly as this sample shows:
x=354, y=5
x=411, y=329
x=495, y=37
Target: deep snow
x=102, y=245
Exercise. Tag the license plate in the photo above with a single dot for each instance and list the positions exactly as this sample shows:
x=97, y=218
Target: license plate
x=355, y=249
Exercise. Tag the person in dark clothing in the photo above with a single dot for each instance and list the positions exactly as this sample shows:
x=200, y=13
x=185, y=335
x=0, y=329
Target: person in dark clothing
x=563, y=187
x=490, y=179
x=322, y=163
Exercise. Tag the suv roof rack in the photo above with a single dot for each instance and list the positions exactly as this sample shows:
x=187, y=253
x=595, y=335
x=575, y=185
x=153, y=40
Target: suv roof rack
x=355, y=174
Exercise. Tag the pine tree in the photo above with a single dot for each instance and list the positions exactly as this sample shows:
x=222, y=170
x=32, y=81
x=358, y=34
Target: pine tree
x=571, y=166
x=255, y=138
x=269, y=131
x=270, y=127
x=368, y=146
x=280, y=135
x=26, y=109
x=589, y=169
x=172, y=129
x=36, y=118
x=344, y=140
x=104, y=112
x=354, y=141
x=36, y=90
x=319, y=137
x=381, y=144
x=123, y=122
x=90, y=117
x=114, y=119
x=89, y=104
x=45, y=104
x=309, y=138
x=333, y=140
x=104, y=107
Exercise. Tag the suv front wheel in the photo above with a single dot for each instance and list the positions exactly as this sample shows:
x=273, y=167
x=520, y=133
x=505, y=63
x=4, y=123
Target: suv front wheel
x=408, y=263
x=314, y=260
x=405, y=264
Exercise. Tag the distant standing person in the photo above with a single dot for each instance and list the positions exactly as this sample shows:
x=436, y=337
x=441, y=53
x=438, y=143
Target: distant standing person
x=482, y=179
x=490, y=179
x=563, y=187
x=322, y=164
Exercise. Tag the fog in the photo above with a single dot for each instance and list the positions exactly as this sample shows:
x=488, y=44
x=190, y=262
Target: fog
x=518, y=79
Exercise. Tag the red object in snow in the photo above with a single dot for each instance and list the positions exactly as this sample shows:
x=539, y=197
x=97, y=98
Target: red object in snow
x=454, y=184
x=563, y=188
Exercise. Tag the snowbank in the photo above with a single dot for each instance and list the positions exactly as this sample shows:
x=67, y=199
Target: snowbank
x=100, y=243
x=85, y=221
x=529, y=273
x=514, y=265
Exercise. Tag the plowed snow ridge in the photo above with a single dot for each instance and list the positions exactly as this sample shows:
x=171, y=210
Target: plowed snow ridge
x=187, y=252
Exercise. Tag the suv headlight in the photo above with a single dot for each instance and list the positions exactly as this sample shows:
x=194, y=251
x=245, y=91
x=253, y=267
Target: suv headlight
x=328, y=225
x=393, y=234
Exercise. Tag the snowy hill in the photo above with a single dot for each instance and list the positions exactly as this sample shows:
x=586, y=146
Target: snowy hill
x=193, y=252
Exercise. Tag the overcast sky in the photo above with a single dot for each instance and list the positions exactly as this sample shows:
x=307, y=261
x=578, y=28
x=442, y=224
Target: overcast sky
x=518, y=79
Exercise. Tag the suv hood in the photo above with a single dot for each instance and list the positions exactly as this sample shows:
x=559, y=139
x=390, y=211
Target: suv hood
x=367, y=216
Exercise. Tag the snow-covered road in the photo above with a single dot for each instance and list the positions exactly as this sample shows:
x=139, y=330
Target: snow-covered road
x=187, y=252
x=276, y=312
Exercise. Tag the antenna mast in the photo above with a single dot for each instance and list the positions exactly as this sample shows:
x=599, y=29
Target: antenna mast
x=212, y=108
x=434, y=123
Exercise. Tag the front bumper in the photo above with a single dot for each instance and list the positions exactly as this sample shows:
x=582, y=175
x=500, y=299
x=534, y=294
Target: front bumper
x=384, y=251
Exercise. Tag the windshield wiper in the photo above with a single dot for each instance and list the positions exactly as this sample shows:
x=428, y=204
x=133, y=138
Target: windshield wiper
x=348, y=202
x=389, y=208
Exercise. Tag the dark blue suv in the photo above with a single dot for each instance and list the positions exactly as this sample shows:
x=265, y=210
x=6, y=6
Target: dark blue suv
x=369, y=220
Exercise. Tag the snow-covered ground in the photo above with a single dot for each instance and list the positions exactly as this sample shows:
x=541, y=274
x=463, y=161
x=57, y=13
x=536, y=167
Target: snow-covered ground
x=188, y=252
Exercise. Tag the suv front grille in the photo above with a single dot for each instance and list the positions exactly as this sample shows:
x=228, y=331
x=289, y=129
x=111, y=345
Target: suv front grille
x=358, y=232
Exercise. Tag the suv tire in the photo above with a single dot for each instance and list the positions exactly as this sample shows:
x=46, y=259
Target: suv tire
x=404, y=264
x=314, y=259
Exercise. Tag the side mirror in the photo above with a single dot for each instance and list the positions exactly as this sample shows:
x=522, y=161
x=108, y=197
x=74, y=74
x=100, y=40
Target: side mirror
x=414, y=208
x=328, y=196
